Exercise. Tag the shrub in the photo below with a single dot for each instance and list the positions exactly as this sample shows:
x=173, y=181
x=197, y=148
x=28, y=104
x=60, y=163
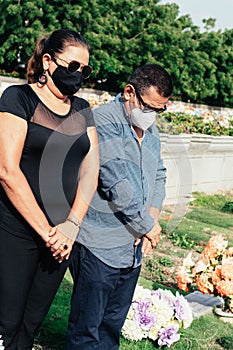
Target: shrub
x=176, y=123
x=228, y=207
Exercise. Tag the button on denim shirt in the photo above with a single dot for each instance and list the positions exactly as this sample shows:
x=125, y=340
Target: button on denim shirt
x=131, y=180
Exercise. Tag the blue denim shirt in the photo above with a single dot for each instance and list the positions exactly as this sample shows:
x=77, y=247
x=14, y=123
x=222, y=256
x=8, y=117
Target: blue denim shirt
x=131, y=180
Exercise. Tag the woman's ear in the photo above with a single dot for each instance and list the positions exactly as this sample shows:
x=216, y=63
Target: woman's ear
x=46, y=60
x=129, y=91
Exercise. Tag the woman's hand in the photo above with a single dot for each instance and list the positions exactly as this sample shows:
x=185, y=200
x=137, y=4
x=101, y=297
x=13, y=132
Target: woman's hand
x=61, y=242
x=60, y=245
x=46, y=234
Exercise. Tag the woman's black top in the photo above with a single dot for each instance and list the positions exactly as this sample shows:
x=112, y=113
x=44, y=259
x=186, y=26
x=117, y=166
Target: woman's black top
x=54, y=148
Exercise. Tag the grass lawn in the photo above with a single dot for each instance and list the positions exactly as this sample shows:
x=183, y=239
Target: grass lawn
x=203, y=218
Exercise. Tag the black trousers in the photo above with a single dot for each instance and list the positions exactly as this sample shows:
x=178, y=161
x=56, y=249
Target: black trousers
x=100, y=302
x=29, y=279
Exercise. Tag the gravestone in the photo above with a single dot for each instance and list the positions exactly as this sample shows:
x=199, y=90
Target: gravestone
x=201, y=304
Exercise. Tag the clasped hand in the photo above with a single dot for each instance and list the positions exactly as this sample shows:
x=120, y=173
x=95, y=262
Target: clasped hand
x=59, y=244
x=150, y=240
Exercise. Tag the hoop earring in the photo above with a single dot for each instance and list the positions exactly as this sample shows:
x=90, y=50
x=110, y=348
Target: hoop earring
x=43, y=78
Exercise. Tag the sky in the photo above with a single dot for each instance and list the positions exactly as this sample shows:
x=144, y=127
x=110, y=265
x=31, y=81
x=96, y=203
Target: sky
x=221, y=10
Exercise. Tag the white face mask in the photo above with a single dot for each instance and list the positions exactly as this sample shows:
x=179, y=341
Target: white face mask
x=142, y=120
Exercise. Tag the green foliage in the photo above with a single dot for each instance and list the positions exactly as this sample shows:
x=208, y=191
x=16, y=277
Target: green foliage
x=153, y=270
x=156, y=269
x=181, y=239
x=176, y=123
x=124, y=35
x=165, y=261
x=228, y=207
x=211, y=201
x=6, y=74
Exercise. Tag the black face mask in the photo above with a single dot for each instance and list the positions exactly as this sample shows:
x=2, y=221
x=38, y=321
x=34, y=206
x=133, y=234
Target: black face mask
x=67, y=83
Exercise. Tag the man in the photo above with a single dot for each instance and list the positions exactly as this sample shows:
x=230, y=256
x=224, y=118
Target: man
x=122, y=222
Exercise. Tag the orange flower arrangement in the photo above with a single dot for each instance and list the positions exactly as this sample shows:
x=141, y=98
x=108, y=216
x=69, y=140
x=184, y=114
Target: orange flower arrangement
x=212, y=273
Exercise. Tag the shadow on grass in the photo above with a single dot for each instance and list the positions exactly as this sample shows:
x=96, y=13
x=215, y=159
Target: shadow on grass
x=52, y=334
x=228, y=207
x=226, y=342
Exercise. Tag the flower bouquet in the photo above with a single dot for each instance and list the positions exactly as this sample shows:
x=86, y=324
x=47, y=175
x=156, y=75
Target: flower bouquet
x=212, y=273
x=156, y=315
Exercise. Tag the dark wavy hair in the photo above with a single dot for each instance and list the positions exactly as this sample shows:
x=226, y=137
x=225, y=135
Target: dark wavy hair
x=55, y=43
x=151, y=75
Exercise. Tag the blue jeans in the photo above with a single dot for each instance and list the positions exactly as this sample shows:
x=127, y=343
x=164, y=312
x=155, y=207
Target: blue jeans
x=100, y=302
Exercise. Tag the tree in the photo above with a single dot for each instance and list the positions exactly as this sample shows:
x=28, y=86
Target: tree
x=125, y=34
x=218, y=45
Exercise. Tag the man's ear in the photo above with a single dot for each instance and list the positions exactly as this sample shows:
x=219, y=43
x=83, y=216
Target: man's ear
x=129, y=91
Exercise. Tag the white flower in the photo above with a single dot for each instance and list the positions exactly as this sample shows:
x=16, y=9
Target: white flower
x=132, y=331
x=187, y=316
x=130, y=313
x=153, y=333
x=156, y=315
x=1, y=344
x=162, y=309
x=201, y=265
x=141, y=293
x=188, y=261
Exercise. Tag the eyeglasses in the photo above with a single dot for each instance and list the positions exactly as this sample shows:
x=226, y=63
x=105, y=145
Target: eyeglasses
x=147, y=108
x=73, y=66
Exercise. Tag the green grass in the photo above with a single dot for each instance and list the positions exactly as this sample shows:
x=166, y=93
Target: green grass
x=206, y=332
x=197, y=225
x=211, y=216
x=53, y=332
x=211, y=201
x=197, y=230
x=192, y=232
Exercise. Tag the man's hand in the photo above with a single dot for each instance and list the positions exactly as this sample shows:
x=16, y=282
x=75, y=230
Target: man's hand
x=154, y=235
x=151, y=239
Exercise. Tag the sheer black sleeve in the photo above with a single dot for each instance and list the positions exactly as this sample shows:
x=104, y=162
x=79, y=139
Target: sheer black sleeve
x=83, y=107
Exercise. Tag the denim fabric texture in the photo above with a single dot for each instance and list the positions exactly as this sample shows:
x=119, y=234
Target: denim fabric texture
x=100, y=302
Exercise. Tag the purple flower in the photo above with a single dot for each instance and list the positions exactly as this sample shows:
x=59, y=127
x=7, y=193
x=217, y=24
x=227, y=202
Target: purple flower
x=142, y=305
x=158, y=293
x=162, y=297
x=169, y=335
x=142, y=315
x=179, y=310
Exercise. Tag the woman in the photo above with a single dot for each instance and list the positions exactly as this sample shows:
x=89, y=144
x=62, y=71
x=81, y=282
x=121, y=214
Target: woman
x=48, y=175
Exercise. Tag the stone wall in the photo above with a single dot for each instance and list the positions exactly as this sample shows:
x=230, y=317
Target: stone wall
x=196, y=162
x=7, y=81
